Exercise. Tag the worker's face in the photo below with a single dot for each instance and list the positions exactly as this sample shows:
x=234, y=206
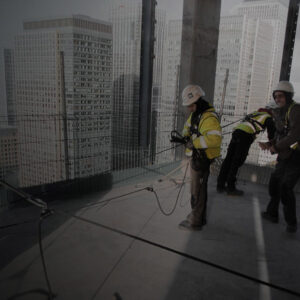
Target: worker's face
x=192, y=107
x=280, y=99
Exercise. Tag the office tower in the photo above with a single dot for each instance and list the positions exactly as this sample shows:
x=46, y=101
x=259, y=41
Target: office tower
x=126, y=17
x=244, y=45
x=250, y=46
x=167, y=109
x=63, y=71
x=157, y=84
x=9, y=85
x=9, y=160
x=9, y=157
x=275, y=13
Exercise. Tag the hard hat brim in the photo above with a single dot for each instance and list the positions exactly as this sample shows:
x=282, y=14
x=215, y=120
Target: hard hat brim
x=191, y=100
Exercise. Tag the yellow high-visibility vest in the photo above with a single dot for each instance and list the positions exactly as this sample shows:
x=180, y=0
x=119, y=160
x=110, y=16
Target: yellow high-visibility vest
x=255, y=124
x=209, y=134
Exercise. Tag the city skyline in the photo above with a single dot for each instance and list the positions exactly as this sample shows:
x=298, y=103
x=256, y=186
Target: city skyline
x=120, y=81
x=250, y=46
x=14, y=13
x=47, y=56
x=11, y=23
x=126, y=19
x=168, y=109
x=63, y=96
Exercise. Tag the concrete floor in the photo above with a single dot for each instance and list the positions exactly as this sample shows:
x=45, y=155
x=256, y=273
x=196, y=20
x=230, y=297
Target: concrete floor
x=89, y=262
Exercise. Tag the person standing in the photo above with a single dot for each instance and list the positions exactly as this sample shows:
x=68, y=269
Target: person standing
x=287, y=145
x=202, y=131
x=242, y=138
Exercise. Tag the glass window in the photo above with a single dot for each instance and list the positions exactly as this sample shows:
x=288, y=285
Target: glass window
x=250, y=48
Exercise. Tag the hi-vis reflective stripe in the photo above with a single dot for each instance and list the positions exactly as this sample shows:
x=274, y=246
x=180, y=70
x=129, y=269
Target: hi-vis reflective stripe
x=216, y=132
x=262, y=118
x=188, y=152
x=259, y=126
x=250, y=125
x=202, y=142
x=294, y=146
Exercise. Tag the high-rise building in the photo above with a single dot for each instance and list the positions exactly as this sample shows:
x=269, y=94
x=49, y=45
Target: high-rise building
x=167, y=110
x=158, y=61
x=126, y=17
x=157, y=84
x=275, y=13
x=127, y=22
x=63, y=82
x=125, y=122
x=243, y=49
x=9, y=84
x=244, y=45
x=250, y=46
x=9, y=160
x=9, y=155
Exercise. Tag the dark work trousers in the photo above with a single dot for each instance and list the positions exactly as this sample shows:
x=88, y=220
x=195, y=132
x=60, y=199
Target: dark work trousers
x=236, y=155
x=281, y=185
x=199, y=196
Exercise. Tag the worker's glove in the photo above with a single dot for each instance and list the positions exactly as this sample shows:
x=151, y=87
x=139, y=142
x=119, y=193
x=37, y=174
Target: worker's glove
x=181, y=140
x=186, y=139
x=189, y=145
x=175, y=139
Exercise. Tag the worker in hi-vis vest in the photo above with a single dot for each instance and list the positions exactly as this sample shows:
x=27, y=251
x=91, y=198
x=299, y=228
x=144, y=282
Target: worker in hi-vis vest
x=242, y=138
x=202, y=132
x=287, y=145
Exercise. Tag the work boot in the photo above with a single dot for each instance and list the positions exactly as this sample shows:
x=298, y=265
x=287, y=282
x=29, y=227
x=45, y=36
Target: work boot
x=234, y=192
x=186, y=225
x=190, y=219
x=291, y=228
x=273, y=219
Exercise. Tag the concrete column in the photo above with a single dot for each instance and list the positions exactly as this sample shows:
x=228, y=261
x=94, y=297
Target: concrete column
x=200, y=32
x=289, y=42
x=146, y=70
x=199, y=45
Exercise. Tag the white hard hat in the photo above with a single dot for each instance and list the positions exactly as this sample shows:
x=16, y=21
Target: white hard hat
x=284, y=86
x=191, y=94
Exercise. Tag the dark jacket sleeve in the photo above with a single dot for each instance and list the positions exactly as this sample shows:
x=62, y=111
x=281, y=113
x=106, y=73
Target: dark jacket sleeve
x=271, y=129
x=293, y=134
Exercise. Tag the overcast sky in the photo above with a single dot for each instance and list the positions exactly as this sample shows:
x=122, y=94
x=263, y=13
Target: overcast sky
x=14, y=12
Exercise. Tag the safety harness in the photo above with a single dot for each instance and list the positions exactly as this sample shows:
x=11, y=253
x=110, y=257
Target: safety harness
x=287, y=115
x=256, y=125
x=195, y=125
x=294, y=146
x=200, y=161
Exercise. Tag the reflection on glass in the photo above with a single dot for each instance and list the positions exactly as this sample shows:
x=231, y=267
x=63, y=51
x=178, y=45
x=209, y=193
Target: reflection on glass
x=251, y=39
x=72, y=86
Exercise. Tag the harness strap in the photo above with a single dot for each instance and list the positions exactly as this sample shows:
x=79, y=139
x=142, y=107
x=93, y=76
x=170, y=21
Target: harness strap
x=255, y=123
x=287, y=115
